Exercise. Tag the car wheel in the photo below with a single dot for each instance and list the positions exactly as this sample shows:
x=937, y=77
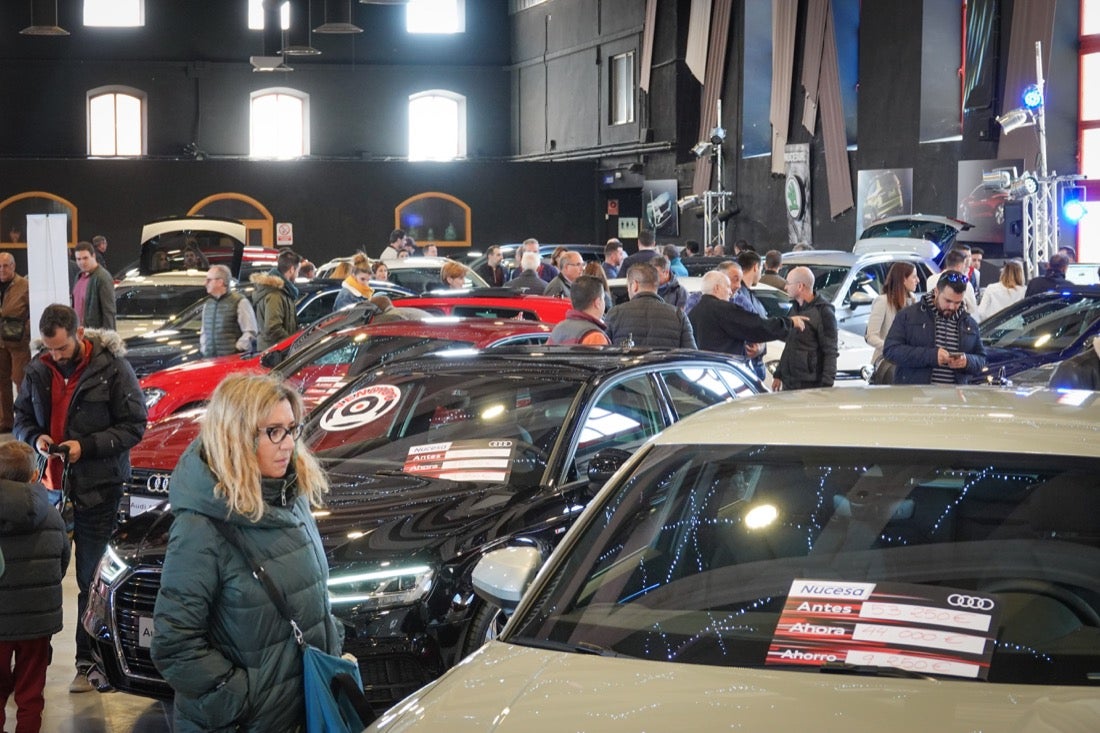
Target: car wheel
x=486, y=625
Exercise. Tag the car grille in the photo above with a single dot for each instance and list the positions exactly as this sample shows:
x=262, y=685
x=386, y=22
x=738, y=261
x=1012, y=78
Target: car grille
x=134, y=598
x=144, y=482
x=388, y=679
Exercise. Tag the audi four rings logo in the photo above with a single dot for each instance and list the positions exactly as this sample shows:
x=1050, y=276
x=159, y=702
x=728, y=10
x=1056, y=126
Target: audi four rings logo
x=158, y=483
x=500, y=444
x=977, y=603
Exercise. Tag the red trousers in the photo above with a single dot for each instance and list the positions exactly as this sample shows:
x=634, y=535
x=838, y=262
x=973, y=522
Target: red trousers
x=26, y=678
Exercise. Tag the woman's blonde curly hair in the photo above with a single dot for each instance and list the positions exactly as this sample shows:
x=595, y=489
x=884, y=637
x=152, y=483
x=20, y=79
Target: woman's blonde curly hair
x=230, y=434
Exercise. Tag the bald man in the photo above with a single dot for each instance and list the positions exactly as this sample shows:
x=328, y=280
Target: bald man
x=809, y=359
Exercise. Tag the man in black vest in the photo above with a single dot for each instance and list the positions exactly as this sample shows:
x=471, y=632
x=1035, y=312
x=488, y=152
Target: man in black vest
x=228, y=321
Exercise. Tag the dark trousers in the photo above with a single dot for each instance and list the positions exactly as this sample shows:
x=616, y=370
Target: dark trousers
x=91, y=530
x=26, y=678
x=13, y=361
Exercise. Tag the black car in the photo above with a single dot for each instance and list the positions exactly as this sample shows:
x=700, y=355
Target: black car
x=177, y=341
x=433, y=461
x=1026, y=340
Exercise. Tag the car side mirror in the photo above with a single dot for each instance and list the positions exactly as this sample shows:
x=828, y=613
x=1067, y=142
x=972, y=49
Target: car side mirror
x=502, y=576
x=603, y=466
x=272, y=359
x=860, y=298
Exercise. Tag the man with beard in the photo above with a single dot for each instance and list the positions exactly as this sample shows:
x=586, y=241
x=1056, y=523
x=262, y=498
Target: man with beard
x=80, y=399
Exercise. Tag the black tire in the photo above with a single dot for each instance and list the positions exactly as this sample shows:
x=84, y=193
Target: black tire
x=486, y=624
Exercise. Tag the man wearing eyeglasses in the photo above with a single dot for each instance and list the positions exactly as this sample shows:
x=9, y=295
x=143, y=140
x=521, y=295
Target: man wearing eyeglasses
x=935, y=340
x=81, y=405
x=572, y=267
x=228, y=321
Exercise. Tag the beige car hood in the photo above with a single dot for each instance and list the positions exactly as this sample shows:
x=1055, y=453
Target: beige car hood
x=505, y=688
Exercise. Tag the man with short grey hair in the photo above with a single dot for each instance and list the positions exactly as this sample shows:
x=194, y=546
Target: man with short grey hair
x=528, y=280
x=228, y=321
x=15, y=334
x=572, y=267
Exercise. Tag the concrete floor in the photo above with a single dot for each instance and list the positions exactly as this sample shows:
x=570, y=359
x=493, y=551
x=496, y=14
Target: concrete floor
x=89, y=712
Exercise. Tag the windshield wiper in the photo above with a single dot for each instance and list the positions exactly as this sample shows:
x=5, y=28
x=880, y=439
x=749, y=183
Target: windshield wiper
x=871, y=670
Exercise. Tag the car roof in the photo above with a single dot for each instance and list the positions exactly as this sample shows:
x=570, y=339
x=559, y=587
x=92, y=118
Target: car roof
x=566, y=362
x=453, y=327
x=982, y=419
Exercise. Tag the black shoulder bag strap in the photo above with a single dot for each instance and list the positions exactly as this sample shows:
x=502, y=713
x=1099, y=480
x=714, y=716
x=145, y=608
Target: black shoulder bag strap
x=231, y=536
x=341, y=682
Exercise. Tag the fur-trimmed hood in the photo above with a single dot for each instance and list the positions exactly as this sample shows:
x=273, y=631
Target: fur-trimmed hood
x=110, y=340
x=268, y=279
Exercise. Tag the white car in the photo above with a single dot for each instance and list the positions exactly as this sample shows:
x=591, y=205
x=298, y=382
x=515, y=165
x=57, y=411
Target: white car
x=888, y=559
x=854, y=355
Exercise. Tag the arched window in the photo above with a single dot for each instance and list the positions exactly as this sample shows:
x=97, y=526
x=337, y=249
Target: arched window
x=437, y=125
x=280, y=124
x=435, y=16
x=116, y=121
x=114, y=13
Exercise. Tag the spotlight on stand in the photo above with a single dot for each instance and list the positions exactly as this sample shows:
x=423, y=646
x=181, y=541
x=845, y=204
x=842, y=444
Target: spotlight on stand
x=1032, y=97
x=1015, y=119
x=997, y=180
x=1024, y=186
x=687, y=203
x=702, y=149
x=726, y=214
x=717, y=136
x=1073, y=203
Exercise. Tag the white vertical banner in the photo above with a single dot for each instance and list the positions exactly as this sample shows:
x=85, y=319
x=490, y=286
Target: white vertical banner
x=47, y=263
x=695, y=57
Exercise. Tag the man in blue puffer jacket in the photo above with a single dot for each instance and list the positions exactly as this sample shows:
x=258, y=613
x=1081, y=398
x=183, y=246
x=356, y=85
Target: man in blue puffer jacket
x=935, y=341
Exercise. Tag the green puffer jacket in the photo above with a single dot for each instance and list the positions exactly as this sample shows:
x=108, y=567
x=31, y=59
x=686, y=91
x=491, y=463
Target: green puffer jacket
x=273, y=301
x=218, y=639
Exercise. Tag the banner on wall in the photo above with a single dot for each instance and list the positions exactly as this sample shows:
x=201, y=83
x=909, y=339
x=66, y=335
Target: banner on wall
x=796, y=193
x=47, y=263
x=883, y=192
x=662, y=216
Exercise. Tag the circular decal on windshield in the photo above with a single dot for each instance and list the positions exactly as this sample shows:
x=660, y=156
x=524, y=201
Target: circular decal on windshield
x=361, y=407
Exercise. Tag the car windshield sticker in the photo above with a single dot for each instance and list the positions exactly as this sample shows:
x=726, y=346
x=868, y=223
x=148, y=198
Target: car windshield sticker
x=321, y=388
x=463, y=460
x=361, y=407
x=921, y=629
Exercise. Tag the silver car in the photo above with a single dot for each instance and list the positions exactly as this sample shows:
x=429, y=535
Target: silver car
x=878, y=559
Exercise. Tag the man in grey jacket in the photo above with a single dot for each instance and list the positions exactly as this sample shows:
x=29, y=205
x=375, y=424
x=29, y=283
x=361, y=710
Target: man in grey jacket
x=646, y=320
x=93, y=291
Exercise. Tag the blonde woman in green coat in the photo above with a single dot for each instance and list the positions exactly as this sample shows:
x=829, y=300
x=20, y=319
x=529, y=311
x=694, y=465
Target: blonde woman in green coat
x=219, y=641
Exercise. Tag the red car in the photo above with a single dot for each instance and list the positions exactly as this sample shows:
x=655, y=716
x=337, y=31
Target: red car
x=316, y=372
x=190, y=384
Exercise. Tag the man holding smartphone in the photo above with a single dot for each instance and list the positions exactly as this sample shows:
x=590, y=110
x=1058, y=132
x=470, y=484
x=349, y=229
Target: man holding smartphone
x=935, y=340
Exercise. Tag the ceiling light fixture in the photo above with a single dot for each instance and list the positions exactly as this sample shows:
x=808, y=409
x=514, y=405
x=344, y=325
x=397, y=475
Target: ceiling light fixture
x=337, y=18
x=44, y=20
x=296, y=42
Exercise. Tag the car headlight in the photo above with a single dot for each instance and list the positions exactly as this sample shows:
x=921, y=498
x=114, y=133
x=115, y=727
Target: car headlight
x=111, y=566
x=388, y=587
x=152, y=395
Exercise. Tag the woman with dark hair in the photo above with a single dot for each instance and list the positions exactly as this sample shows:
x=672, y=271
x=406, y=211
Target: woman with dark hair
x=897, y=293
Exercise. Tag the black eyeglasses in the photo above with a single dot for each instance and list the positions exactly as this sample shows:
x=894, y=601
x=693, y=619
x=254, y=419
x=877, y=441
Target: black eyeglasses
x=277, y=433
x=954, y=277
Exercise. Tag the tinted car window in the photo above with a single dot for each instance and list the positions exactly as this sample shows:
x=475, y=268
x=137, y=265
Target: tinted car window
x=317, y=307
x=624, y=416
x=328, y=367
x=1042, y=324
x=155, y=301
x=382, y=424
x=695, y=555
x=692, y=389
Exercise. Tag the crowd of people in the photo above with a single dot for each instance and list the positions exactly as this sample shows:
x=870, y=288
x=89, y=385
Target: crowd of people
x=78, y=410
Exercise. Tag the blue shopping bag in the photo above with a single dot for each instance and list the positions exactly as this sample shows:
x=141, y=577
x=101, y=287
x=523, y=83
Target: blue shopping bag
x=335, y=702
